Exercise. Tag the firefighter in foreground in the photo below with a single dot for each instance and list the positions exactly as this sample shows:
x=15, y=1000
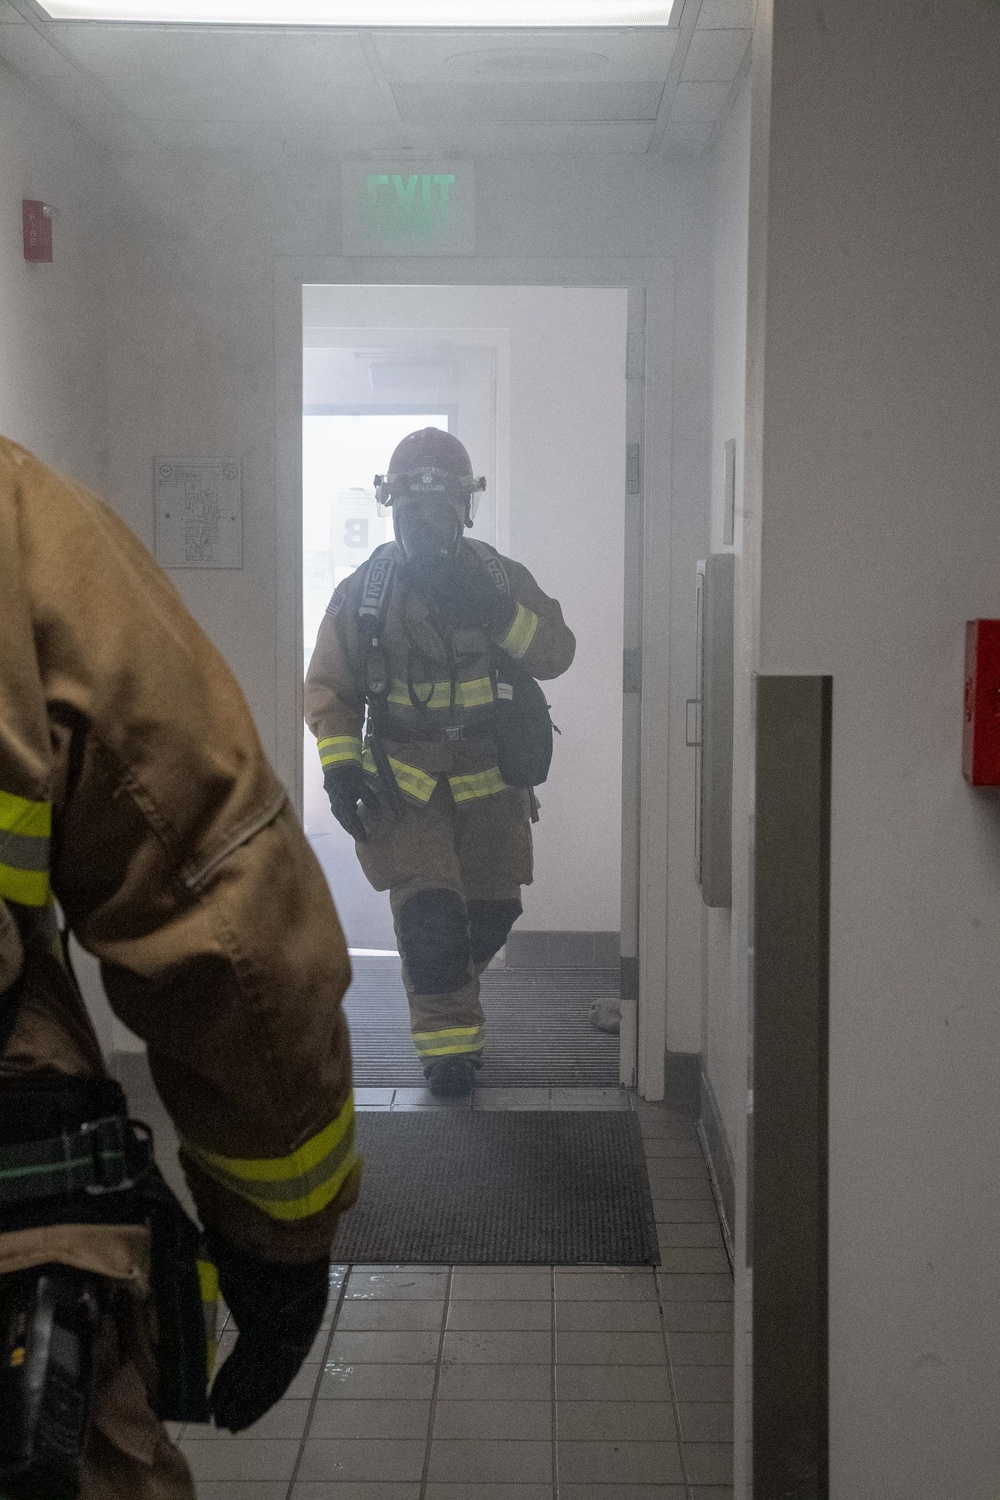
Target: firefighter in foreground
x=438, y=639
x=133, y=789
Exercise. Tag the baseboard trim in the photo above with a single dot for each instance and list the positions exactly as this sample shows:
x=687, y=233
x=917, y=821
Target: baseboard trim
x=562, y=950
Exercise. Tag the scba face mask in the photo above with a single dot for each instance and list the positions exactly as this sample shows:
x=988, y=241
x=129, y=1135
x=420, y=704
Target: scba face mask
x=427, y=529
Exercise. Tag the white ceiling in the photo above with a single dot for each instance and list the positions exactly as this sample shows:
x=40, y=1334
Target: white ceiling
x=349, y=91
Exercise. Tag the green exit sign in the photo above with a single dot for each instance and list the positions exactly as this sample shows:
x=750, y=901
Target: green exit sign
x=409, y=209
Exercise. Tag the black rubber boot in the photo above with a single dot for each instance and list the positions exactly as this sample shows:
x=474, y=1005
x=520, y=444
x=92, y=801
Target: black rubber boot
x=451, y=1077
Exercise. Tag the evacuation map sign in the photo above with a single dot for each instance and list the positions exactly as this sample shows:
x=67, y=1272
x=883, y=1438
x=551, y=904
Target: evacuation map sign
x=409, y=208
x=199, y=505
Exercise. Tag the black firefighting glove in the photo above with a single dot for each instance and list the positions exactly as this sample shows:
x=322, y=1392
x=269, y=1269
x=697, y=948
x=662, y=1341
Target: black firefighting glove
x=346, y=787
x=464, y=598
x=278, y=1311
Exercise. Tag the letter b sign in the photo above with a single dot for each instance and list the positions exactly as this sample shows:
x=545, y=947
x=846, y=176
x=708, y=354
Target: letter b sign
x=356, y=533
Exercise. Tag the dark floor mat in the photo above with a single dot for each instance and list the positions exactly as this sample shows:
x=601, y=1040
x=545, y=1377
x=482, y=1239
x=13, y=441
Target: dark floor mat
x=537, y=1028
x=455, y=1187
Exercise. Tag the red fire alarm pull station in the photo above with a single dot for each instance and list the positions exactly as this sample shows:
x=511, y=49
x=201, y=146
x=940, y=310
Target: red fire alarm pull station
x=37, y=230
x=981, y=737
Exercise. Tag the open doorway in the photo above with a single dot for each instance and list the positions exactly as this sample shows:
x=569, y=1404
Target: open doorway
x=532, y=380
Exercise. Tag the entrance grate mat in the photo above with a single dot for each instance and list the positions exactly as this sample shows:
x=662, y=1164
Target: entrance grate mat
x=537, y=1028
x=443, y=1187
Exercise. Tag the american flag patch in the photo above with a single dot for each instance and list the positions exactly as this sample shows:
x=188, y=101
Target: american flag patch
x=333, y=608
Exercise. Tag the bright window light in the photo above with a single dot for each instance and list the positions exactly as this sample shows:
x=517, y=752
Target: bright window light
x=460, y=14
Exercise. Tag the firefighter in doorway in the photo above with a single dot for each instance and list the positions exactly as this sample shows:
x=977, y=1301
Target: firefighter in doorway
x=134, y=791
x=419, y=639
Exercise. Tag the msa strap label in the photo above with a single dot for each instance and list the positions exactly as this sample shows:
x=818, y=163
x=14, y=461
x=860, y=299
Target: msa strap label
x=496, y=571
x=375, y=586
x=505, y=692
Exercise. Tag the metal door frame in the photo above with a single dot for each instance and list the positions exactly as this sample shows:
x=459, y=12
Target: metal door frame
x=648, y=509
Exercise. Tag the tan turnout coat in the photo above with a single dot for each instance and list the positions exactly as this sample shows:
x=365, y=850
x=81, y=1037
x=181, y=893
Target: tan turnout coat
x=134, y=790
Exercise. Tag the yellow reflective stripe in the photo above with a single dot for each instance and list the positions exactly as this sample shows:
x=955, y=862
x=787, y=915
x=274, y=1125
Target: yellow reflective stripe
x=453, y=1039
x=26, y=887
x=25, y=829
x=208, y=1281
x=409, y=779
x=521, y=633
x=293, y=1186
x=31, y=819
x=482, y=784
x=341, y=748
x=475, y=693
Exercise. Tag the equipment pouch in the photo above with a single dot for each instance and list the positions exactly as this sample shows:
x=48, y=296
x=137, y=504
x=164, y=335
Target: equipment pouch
x=523, y=726
x=48, y=1323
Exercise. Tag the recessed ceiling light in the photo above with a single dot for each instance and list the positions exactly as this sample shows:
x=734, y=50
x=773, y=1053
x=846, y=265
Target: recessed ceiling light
x=414, y=14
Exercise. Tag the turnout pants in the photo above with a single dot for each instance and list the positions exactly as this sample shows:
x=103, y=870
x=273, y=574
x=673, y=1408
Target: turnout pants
x=454, y=873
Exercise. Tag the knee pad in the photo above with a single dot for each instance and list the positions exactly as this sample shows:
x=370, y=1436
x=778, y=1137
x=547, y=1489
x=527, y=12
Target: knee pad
x=489, y=925
x=434, y=938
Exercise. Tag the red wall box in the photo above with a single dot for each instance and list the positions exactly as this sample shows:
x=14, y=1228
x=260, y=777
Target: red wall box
x=981, y=730
x=37, y=231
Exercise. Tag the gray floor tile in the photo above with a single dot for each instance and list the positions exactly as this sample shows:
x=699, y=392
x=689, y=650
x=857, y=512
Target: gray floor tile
x=664, y=1148
x=707, y=1236
x=709, y=1463
x=363, y=1420
x=711, y=1492
x=376, y=1382
x=614, y=1383
x=495, y=1383
x=579, y=1348
x=615, y=1492
x=700, y=1261
x=429, y=1285
x=405, y=1315
x=520, y=1421
x=514, y=1285
x=490, y=1462
x=620, y=1463
x=490, y=1348
x=506, y=1316
x=682, y=1190
x=667, y=1144
x=511, y=1098
x=619, y=1317
x=615, y=1421
x=305, y=1383
x=352, y=1490
x=605, y=1286
x=243, y=1489
x=676, y=1168
x=698, y=1317
x=241, y=1458
x=384, y=1458
x=589, y=1099
x=489, y=1492
x=383, y=1348
x=285, y=1420
x=702, y=1382
x=700, y=1348
x=694, y=1288
x=684, y=1211
x=706, y=1421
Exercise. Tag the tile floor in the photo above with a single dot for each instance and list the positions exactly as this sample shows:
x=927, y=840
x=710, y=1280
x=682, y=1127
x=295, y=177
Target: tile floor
x=455, y=1383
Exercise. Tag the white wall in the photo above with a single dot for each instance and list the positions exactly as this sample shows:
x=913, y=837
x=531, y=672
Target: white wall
x=564, y=443
x=880, y=450
x=193, y=334
x=52, y=318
